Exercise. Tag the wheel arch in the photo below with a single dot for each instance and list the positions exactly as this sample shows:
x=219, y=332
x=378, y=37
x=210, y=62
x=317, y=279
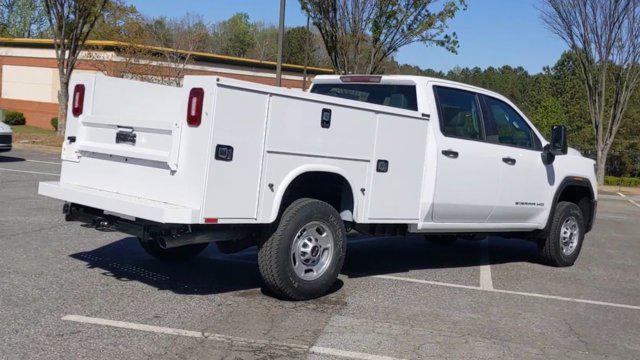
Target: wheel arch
x=318, y=173
x=577, y=190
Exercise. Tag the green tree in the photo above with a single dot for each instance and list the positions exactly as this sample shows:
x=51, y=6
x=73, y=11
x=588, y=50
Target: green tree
x=298, y=43
x=360, y=35
x=265, y=44
x=122, y=22
x=235, y=35
x=566, y=86
x=22, y=18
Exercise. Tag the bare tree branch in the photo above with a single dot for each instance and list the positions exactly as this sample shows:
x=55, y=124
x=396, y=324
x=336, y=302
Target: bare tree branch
x=605, y=36
x=71, y=22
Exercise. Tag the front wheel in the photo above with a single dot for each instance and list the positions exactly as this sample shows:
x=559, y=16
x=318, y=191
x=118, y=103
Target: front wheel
x=303, y=257
x=566, y=234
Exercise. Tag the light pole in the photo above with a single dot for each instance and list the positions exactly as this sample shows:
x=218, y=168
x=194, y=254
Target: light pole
x=280, y=44
x=306, y=56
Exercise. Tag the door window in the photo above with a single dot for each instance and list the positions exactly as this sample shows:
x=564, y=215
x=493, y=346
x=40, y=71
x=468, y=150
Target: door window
x=505, y=126
x=460, y=114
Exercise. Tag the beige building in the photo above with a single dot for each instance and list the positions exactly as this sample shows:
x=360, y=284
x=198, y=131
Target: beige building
x=29, y=76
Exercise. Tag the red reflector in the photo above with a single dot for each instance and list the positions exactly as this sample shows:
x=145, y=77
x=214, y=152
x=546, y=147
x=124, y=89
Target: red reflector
x=360, y=78
x=194, y=108
x=77, y=102
x=210, y=221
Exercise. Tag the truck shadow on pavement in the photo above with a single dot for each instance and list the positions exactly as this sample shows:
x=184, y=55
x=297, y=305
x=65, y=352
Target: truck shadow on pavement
x=212, y=272
x=387, y=256
x=8, y=159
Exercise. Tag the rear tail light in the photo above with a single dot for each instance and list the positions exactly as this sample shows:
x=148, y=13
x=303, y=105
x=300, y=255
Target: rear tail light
x=77, y=102
x=360, y=78
x=194, y=108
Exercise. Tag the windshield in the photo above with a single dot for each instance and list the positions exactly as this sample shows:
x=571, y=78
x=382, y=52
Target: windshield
x=399, y=96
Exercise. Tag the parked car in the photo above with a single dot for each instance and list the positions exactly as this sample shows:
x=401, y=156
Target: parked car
x=243, y=164
x=6, y=136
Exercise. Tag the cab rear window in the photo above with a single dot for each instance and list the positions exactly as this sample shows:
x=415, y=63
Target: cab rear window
x=399, y=96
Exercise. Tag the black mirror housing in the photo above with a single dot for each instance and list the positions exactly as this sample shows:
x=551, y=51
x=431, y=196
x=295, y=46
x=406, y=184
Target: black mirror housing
x=558, y=144
x=547, y=156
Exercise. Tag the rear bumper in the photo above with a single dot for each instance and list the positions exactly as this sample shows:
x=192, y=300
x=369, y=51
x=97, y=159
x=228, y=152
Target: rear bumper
x=126, y=205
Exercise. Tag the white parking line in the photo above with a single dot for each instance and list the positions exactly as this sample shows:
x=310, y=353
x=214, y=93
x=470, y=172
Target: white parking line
x=630, y=200
x=29, y=172
x=486, y=282
x=521, y=293
x=43, y=162
x=317, y=350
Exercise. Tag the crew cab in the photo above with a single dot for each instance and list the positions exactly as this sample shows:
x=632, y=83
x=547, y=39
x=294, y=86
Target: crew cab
x=242, y=164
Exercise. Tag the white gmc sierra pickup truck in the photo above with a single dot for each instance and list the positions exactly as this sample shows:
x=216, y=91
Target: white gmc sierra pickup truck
x=242, y=164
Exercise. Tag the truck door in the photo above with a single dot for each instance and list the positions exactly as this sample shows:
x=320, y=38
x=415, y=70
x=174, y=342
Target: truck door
x=467, y=175
x=525, y=180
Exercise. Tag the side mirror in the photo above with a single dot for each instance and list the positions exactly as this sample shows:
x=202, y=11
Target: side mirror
x=558, y=145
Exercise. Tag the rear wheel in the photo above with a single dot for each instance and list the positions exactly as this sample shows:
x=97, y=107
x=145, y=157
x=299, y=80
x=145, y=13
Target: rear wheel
x=303, y=257
x=566, y=233
x=442, y=240
x=182, y=253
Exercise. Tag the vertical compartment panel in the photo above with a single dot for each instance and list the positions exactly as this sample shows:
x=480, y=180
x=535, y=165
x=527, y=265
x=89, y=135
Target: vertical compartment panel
x=239, y=122
x=395, y=194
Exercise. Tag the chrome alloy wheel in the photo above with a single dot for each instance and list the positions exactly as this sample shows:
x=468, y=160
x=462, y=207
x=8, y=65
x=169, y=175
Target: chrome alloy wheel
x=569, y=235
x=312, y=250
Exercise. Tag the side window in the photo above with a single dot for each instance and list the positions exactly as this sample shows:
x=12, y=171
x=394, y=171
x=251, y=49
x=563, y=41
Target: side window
x=506, y=126
x=460, y=114
x=399, y=96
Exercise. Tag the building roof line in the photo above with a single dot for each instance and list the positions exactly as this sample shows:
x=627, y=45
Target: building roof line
x=210, y=57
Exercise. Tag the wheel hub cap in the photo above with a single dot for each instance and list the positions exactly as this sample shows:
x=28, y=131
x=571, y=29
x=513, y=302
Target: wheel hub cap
x=312, y=250
x=569, y=235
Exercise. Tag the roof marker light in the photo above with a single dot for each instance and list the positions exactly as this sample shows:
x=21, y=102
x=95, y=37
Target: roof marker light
x=361, y=78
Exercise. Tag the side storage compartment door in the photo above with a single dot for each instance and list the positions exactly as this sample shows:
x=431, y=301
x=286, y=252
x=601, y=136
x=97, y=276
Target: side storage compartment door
x=235, y=160
x=397, y=168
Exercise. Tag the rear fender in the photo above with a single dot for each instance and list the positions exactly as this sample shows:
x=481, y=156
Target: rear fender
x=293, y=174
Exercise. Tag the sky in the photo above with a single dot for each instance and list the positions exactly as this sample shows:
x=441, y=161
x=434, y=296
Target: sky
x=491, y=32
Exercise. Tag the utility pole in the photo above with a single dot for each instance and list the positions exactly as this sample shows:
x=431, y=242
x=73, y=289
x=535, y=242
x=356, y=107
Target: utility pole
x=280, y=44
x=306, y=57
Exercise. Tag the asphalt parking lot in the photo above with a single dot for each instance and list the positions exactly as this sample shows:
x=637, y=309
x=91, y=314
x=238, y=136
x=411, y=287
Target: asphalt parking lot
x=71, y=292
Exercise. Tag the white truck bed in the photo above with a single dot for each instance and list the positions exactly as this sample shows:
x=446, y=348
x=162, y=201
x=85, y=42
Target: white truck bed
x=171, y=175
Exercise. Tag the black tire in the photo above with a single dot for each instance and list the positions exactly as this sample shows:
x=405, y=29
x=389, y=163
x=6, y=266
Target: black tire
x=551, y=250
x=442, y=240
x=182, y=253
x=275, y=255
